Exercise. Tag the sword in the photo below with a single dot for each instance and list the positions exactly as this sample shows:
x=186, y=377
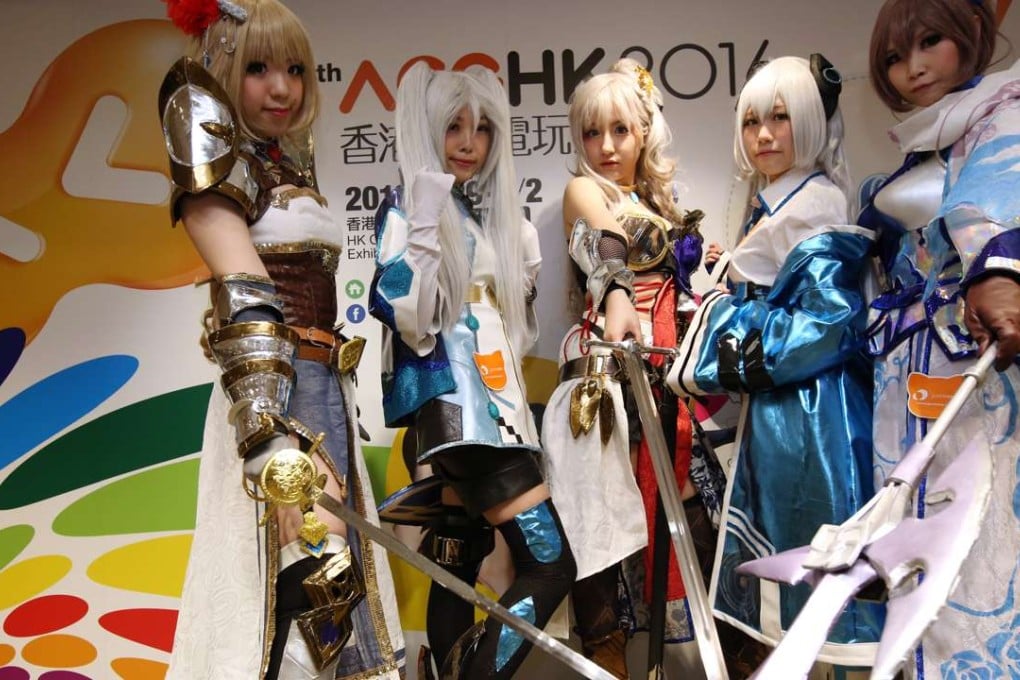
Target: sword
x=880, y=541
x=705, y=633
x=290, y=478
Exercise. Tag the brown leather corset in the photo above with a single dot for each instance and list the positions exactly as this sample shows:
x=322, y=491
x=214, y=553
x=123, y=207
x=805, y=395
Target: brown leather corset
x=306, y=281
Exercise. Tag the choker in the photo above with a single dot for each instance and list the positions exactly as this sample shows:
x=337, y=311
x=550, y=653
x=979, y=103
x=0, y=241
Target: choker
x=630, y=190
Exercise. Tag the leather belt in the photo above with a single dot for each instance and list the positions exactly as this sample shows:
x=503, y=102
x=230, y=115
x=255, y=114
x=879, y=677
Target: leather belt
x=593, y=364
x=331, y=349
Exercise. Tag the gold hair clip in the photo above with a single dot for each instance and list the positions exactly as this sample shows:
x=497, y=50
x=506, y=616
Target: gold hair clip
x=644, y=79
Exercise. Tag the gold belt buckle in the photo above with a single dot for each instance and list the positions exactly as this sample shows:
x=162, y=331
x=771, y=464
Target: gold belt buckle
x=348, y=354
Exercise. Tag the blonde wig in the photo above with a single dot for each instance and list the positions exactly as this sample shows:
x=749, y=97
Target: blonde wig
x=817, y=142
x=627, y=94
x=271, y=33
x=427, y=103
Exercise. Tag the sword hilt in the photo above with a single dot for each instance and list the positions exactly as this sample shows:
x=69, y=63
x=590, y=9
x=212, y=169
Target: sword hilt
x=629, y=345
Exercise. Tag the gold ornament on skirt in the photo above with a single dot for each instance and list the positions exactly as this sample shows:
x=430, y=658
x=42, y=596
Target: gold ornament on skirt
x=591, y=401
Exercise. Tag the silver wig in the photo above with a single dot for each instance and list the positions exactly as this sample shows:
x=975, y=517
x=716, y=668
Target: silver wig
x=427, y=103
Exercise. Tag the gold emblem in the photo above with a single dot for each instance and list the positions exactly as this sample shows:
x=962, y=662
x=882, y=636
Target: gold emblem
x=290, y=478
x=287, y=477
x=349, y=355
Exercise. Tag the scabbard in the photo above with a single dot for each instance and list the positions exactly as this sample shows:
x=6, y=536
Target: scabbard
x=660, y=553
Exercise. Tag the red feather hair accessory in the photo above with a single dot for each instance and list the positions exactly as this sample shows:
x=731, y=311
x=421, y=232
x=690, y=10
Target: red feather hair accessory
x=192, y=16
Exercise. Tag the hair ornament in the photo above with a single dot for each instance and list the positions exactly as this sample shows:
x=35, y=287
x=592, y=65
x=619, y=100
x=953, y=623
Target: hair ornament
x=644, y=79
x=754, y=68
x=239, y=14
x=829, y=81
x=195, y=16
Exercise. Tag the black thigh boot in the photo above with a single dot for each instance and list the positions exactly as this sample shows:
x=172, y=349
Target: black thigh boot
x=545, y=571
x=291, y=600
x=596, y=610
x=457, y=543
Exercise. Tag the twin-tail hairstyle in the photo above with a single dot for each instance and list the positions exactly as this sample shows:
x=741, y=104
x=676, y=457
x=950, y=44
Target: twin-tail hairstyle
x=427, y=104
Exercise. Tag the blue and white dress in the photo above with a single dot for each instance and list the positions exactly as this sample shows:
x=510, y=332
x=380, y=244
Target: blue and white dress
x=461, y=386
x=788, y=338
x=951, y=214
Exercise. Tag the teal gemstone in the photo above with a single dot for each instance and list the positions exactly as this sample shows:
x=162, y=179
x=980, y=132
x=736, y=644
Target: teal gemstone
x=472, y=322
x=493, y=411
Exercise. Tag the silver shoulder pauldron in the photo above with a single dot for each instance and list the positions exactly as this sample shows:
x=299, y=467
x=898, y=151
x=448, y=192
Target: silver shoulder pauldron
x=202, y=137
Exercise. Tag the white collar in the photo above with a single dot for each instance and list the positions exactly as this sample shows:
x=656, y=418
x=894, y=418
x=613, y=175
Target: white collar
x=944, y=122
x=774, y=195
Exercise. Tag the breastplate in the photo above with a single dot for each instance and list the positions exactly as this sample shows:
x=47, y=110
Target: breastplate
x=649, y=239
x=913, y=198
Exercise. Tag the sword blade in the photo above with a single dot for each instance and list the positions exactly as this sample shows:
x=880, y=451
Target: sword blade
x=536, y=636
x=705, y=632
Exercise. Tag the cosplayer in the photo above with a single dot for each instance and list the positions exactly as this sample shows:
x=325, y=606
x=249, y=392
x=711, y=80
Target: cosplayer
x=634, y=251
x=271, y=592
x=950, y=252
x=788, y=336
x=454, y=288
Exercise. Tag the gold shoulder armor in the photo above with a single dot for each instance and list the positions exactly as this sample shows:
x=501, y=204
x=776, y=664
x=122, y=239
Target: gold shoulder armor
x=202, y=138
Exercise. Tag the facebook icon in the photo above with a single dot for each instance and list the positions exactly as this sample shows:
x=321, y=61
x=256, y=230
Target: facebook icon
x=355, y=313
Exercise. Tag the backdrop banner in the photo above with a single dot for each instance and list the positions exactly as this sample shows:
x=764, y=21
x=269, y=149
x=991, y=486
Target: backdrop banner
x=103, y=386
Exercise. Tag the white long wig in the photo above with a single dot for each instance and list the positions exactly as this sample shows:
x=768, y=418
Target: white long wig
x=427, y=103
x=817, y=142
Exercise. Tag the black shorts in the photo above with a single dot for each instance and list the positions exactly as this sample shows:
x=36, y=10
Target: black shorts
x=485, y=476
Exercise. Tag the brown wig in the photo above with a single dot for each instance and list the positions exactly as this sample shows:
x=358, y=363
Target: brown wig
x=901, y=22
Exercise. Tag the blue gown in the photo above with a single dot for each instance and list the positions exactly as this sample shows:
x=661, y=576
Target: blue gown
x=788, y=338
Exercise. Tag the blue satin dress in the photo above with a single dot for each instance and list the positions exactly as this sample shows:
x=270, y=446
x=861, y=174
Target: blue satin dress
x=788, y=338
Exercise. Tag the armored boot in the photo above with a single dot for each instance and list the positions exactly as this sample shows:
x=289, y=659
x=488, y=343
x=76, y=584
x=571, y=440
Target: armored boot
x=608, y=651
x=314, y=600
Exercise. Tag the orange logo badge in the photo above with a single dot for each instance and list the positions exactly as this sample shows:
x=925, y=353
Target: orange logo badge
x=928, y=395
x=492, y=368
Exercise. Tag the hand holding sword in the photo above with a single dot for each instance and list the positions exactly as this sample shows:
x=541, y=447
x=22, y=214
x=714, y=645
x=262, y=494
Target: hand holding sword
x=290, y=479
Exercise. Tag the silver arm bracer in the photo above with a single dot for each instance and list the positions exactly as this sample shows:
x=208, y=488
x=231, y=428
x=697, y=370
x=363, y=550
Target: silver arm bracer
x=584, y=249
x=238, y=292
x=257, y=359
x=202, y=138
